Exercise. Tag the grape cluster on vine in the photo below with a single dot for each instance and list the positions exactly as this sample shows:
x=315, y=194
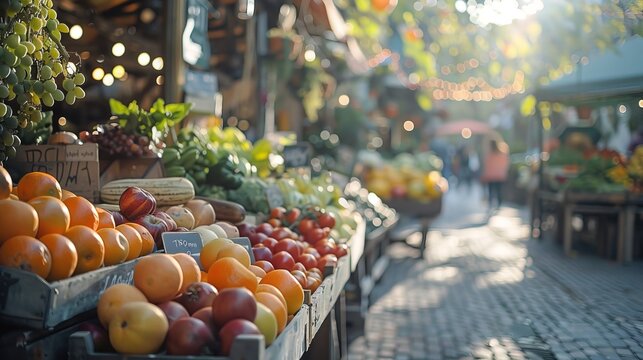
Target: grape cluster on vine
x=31, y=59
x=113, y=140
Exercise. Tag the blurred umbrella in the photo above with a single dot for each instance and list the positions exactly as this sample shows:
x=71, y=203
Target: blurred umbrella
x=459, y=127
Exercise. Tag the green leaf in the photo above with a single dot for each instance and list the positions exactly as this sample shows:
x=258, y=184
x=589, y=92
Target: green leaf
x=178, y=112
x=158, y=106
x=117, y=107
x=133, y=107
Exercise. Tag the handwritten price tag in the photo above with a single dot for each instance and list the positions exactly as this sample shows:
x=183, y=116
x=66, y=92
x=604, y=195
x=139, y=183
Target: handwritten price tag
x=182, y=242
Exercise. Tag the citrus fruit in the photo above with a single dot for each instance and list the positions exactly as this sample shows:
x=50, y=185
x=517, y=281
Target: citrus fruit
x=37, y=183
x=272, y=290
x=6, y=185
x=53, y=216
x=259, y=272
x=276, y=306
x=229, y=273
x=148, y=240
x=82, y=212
x=105, y=219
x=133, y=238
x=190, y=269
x=289, y=287
x=64, y=257
x=26, y=253
x=159, y=277
x=66, y=194
x=89, y=246
x=210, y=251
x=116, y=246
x=235, y=251
x=112, y=299
x=18, y=218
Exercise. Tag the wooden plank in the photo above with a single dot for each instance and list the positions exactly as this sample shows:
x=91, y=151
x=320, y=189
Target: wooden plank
x=319, y=306
x=293, y=342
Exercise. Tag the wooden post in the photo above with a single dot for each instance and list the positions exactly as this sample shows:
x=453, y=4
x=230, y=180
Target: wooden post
x=175, y=67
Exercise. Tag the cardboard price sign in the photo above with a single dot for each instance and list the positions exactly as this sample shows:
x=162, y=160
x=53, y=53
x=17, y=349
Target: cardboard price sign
x=296, y=156
x=182, y=242
x=245, y=242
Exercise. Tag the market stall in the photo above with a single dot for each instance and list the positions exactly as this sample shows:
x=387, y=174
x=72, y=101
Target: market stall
x=576, y=176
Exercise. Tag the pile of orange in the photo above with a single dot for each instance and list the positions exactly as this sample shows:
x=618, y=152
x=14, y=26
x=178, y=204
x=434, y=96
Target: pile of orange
x=56, y=234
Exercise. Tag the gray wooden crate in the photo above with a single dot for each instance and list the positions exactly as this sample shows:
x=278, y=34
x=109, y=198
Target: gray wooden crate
x=36, y=344
x=293, y=342
x=27, y=300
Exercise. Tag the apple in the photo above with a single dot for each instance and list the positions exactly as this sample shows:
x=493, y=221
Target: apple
x=266, y=323
x=325, y=247
x=280, y=233
x=269, y=243
x=182, y=216
x=312, y=283
x=233, y=303
x=312, y=251
x=327, y=260
x=265, y=265
x=197, y=296
x=230, y=230
x=299, y=266
x=173, y=311
x=300, y=276
x=171, y=224
x=205, y=315
x=118, y=218
x=154, y=225
x=256, y=238
x=206, y=235
x=283, y=260
x=264, y=228
x=100, y=338
x=245, y=229
x=234, y=328
x=188, y=336
x=136, y=202
x=308, y=260
x=289, y=246
x=261, y=252
x=138, y=328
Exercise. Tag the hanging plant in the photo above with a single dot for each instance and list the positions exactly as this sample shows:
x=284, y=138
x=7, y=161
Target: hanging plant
x=32, y=58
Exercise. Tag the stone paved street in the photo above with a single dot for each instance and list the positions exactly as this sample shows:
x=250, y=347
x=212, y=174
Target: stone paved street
x=485, y=291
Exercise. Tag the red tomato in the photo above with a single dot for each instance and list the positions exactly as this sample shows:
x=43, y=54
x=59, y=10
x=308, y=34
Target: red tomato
x=277, y=213
x=326, y=220
x=283, y=260
x=327, y=260
x=274, y=222
x=341, y=250
x=299, y=266
x=314, y=235
x=293, y=215
x=306, y=225
x=308, y=260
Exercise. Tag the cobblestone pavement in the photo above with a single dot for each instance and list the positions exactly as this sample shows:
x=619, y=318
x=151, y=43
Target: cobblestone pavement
x=485, y=291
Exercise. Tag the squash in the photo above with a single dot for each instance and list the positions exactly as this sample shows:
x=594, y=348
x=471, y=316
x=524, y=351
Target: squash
x=167, y=191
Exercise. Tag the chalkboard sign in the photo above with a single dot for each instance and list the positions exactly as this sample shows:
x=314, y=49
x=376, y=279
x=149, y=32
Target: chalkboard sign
x=182, y=242
x=245, y=242
x=297, y=155
x=274, y=196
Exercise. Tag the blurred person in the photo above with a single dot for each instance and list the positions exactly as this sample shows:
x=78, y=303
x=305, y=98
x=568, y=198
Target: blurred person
x=496, y=167
x=464, y=175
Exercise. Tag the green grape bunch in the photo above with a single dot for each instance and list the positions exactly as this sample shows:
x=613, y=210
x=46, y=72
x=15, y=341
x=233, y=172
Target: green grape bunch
x=33, y=63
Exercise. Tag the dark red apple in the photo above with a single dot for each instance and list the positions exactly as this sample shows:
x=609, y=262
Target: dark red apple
x=299, y=266
x=171, y=224
x=261, y=252
x=300, y=276
x=245, y=229
x=312, y=251
x=188, y=336
x=154, y=225
x=234, y=328
x=173, y=311
x=256, y=238
x=118, y=218
x=264, y=228
x=136, y=202
x=197, y=296
x=289, y=246
x=269, y=243
x=280, y=233
x=283, y=260
x=233, y=303
x=314, y=235
x=341, y=250
x=100, y=338
x=308, y=260
x=327, y=260
x=205, y=315
x=325, y=247
x=265, y=265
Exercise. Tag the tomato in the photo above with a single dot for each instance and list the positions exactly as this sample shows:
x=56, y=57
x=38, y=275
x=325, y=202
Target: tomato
x=277, y=213
x=326, y=220
x=306, y=225
x=293, y=215
x=315, y=235
x=275, y=222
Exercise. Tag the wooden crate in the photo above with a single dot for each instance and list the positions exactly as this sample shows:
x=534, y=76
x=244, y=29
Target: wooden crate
x=293, y=342
x=37, y=344
x=144, y=168
x=340, y=278
x=26, y=300
x=245, y=347
x=320, y=306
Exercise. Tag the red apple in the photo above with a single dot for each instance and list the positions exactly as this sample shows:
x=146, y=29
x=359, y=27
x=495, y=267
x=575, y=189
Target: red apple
x=308, y=260
x=300, y=276
x=314, y=235
x=100, y=338
x=312, y=251
x=264, y=228
x=299, y=266
x=234, y=328
x=233, y=303
x=256, y=238
x=118, y=218
x=173, y=311
x=283, y=260
x=289, y=246
x=280, y=233
x=245, y=229
x=261, y=252
x=136, y=202
x=341, y=250
x=325, y=247
x=269, y=243
x=197, y=296
x=205, y=315
x=188, y=336
x=265, y=265
x=171, y=224
x=327, y=260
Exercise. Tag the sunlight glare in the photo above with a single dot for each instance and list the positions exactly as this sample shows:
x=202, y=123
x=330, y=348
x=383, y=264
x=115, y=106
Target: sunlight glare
x=502, y=12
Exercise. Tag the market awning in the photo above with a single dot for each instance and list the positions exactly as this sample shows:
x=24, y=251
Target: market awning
x=612, y=74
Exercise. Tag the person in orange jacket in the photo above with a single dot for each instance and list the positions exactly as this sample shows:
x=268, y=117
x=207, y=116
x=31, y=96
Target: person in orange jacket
x=496, y=167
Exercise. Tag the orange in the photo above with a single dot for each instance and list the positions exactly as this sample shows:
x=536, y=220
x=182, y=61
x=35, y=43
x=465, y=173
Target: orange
x=235, y=251
x=82, y=212
x=53, y=215
x=289, y=287
x=26, y=253
x=190, y=269
x=64, y=257
x=272, y=290
x=90, y=248
x=116, y=246
x=276, y=306
x=133, y=238
x=204, y=276
x=66, y=194
x=6, y=185
x=17, y=218
x=210, y=251
x=37, y=183
x=113, y=298
x=257, y=271
x=159, y=277
x=148, y=241
x=229, y=272
x=105, y=219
